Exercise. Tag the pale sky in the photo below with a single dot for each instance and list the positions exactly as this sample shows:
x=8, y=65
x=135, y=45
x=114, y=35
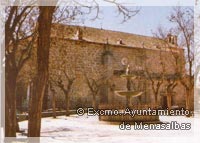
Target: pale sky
x=153, y=13
x=146, y=21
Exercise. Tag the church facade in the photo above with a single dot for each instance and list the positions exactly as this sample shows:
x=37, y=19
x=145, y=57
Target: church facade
x=103, y=56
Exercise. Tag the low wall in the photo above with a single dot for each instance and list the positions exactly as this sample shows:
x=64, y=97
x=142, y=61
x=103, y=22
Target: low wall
x=23, y=117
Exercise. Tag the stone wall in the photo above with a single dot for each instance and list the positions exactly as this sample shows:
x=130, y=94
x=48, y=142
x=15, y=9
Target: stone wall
x=85, y=56
x=101, y=60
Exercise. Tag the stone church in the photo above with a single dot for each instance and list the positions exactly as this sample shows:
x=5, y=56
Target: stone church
x=103, y=56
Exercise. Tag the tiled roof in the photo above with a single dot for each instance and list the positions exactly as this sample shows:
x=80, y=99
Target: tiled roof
x=102, y=36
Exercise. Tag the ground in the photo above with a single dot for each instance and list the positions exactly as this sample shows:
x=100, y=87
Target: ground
x=90, y=129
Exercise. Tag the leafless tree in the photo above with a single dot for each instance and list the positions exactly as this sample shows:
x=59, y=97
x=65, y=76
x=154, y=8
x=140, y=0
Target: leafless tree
x=20, y=34
x=94, y=86
x=171, y=84
x=62, y=72
x=184, y=20
x=15, y=21
x=53, y=98
x=155, y=78
x=95, y=7
x=66, y=88
x=44, y=32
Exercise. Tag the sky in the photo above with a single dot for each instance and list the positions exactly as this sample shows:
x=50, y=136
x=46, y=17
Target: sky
x=144, y=23
x=153, y=13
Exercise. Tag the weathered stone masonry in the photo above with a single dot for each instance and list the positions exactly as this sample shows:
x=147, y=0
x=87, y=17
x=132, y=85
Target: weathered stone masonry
x=101, y=57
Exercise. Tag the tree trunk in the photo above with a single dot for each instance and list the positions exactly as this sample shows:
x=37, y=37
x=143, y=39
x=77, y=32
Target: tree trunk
x=188, y=100
x=94, y=105
x=10, y=101
x=45, y=99
x=54, y=104
x=112, y=97
x=17, y=126
x=128, y=101
x=156, y=98
x=67, y=104
x=169, y=100
x=104, y=89
x=44, y=32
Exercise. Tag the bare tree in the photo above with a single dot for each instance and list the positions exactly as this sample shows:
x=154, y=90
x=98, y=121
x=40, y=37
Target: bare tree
x=44, y=32
x=156, y=79
x=171, y=84
x=19, y=38
x=53, y=99
x=184, y=20
x=87, y=7
x=94, y=78
x=62, y=71
x=66, y=88
x=15, y=19
x=94, y=86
